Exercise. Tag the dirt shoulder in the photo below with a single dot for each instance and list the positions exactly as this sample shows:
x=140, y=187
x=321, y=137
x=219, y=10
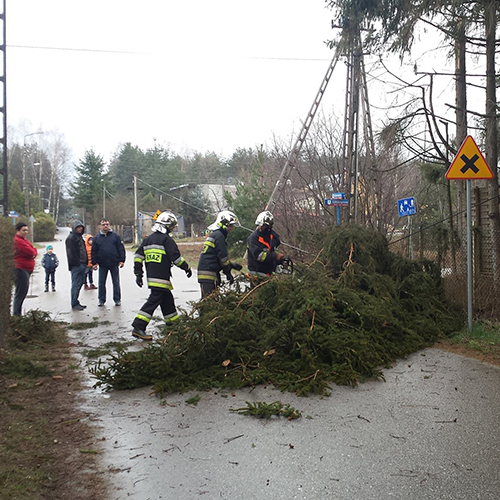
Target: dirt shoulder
x=47, y=444
x=487, y=354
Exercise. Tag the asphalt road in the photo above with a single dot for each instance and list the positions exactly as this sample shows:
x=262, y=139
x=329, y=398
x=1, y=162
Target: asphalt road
x=430, y=431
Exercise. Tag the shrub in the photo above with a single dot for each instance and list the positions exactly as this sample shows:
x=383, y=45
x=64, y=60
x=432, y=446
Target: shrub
x=44, y=227
x=6, y=275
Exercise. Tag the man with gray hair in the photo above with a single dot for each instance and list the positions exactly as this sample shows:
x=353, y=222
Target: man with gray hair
x=77, y=262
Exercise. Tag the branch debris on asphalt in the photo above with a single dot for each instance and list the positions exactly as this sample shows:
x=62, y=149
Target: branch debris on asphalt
x=342, y=318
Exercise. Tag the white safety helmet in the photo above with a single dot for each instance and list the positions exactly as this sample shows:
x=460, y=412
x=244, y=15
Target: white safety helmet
x=266, y=218
x=224, y=219
x=163, y=221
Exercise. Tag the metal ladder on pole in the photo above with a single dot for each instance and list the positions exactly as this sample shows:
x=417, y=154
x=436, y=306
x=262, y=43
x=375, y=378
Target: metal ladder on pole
x=297, y=147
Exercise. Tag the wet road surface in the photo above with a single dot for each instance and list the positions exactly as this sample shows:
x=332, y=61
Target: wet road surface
x=431, y=431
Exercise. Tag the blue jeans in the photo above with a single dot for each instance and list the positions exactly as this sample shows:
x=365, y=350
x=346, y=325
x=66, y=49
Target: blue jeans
x=115, y=278
x=89, y=276
x=77, y=281
x=50, y=276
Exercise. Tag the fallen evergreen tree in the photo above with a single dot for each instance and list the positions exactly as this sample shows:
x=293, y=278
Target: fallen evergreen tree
x=340, y=319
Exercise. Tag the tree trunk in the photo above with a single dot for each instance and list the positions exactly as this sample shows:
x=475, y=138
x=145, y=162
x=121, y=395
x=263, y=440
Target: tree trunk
x=461, y=117
x=56, y=209
x=491, y=136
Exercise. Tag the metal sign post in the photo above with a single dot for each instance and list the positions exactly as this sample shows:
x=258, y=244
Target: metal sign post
x=469, y=255
x=407, y=207
x=468, y=164
x=337, y=200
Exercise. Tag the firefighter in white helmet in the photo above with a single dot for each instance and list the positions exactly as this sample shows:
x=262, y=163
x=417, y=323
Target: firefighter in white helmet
x=262, y=243
x=159, y=252
x=214, y=257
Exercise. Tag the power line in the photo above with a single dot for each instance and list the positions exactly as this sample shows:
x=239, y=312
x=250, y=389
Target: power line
x=76, y=49
x=107, y=51
x=174, y=197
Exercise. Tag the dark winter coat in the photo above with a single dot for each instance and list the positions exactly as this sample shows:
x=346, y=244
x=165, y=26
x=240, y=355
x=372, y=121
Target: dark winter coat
x=75, y=247
x=262, y=258
x=159, y=252
x=214, y=257
x=50, y=261
x=107, y=249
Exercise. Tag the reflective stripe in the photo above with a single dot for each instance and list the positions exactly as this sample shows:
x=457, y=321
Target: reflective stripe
x=143, y=318
x=170, y=318
x=154, y=247
x=207, y=275
x=138, y=257
x=159, y=283
x=210, y=244
x=262, y=256
x=178, y=262
x=224, y=261
x=265, y=243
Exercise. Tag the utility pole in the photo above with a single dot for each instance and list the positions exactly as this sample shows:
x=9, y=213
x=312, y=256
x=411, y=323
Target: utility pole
x=136, y=216
x=3, y=110
x=25, y=177
x=104, y=201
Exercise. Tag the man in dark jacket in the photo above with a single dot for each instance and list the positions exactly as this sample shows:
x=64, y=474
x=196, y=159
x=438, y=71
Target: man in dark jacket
x=262, y=244
x=214, y=257
x=77, y=261
x=108, y=253
x=159, y=252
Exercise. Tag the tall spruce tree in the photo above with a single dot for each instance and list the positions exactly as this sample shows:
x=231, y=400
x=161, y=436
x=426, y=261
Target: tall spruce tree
x=16, y=197
x=87, y=188
x=130, y=161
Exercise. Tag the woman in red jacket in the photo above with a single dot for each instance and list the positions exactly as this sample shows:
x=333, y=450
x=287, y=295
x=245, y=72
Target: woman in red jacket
x=24, y=261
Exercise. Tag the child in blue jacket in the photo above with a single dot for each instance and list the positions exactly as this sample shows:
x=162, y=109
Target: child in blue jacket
x=50, y=263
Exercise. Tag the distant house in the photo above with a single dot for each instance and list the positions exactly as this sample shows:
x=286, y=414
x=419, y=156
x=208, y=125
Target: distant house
x=147, y=224
x=215, y=194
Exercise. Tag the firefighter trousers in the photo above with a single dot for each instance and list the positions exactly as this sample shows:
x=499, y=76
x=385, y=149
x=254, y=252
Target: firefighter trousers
x=158, y=297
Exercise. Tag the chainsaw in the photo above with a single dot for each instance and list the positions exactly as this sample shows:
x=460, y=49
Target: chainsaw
x=286, y=266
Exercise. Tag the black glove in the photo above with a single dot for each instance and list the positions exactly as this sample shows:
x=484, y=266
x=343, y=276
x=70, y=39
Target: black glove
x=138, y=280
x=189, y=273
x=229, y=276
x=235, y=265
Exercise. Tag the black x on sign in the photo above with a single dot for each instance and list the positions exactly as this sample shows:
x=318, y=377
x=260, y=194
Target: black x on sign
x=469, y=163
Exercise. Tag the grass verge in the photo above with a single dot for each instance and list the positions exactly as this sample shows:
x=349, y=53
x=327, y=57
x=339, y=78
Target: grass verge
x=41, y=428
x=483, y=343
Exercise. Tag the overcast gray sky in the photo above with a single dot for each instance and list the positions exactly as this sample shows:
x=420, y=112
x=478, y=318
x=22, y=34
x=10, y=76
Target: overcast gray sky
x=198, y=75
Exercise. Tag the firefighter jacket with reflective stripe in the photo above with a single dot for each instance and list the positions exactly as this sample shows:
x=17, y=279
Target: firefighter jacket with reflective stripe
x=159, y=252
x=214, y=257
x=262, y=252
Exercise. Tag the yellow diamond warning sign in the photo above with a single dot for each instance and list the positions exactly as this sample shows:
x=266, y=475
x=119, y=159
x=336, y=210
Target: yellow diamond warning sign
x=469, y=163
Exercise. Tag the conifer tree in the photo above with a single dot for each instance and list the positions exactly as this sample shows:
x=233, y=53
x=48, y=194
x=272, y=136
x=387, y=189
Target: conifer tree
x=16, y=197
x=87, y=188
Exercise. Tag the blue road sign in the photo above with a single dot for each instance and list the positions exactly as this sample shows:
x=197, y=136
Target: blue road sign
x=336, y=202
x=339, y=196
x=407, y=206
